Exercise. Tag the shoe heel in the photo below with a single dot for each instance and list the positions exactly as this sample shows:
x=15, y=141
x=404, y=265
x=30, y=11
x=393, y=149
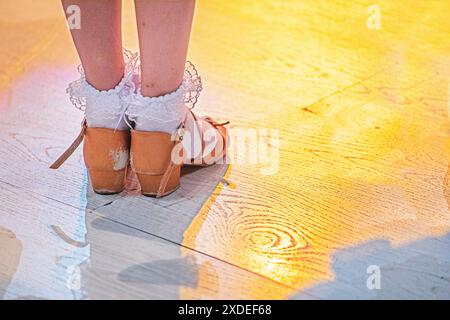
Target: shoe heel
x=151, y=154
x=106, y=155
x=107, y=182
x=150, y=183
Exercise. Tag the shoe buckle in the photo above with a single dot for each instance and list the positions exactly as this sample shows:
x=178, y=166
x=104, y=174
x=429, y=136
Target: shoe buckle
x=179, y=133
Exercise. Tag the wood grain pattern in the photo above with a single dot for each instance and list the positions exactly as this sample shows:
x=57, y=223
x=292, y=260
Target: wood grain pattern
x=359, y=173
x=67, y=252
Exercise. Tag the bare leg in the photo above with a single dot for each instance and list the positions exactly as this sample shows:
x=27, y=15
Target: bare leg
x=164, y=28
x=99, y=41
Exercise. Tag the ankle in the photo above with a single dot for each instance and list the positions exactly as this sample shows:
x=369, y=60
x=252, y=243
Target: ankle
x=105, y=83
x=105, y=108
x=165, y=112
x=157, y=88
x=162, y=113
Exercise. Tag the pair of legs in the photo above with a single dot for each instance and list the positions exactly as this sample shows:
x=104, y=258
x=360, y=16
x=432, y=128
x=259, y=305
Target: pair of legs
x=166, y=134
x=164, y=28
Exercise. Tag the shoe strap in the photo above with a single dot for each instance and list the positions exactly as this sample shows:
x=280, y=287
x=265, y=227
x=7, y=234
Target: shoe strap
x=72, y=147
x=165, y=180
x=220, y=127
x=177, y=136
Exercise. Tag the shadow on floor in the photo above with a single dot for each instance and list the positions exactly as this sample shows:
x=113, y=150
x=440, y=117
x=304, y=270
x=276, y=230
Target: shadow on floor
x=134, y=240
x=185, y=267
x=420, y=270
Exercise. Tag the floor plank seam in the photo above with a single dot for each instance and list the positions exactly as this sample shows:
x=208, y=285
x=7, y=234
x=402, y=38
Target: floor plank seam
x=344, y=90
x=38, y=194
x=197, y=251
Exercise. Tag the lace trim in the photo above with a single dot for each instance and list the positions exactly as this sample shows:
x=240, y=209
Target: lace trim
x=170, y=106
x=192, y=84
x=126, y=97
x=81, y=92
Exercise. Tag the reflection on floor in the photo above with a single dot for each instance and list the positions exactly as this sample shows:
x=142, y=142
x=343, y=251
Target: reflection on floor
x=348, y=168
x=10, y=255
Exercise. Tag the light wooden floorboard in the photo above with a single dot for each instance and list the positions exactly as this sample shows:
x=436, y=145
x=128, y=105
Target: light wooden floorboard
x=67, y=252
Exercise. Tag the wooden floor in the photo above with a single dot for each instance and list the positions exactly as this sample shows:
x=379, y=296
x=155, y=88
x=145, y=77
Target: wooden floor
x=358, y=177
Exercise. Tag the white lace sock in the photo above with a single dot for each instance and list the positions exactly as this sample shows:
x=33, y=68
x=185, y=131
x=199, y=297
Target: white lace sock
x=106, y=109
x=165, y=114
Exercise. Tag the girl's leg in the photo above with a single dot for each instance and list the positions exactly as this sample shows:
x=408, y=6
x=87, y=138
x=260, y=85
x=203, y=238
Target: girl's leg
x=164, y=27
x=99, y=41
x=106, y=138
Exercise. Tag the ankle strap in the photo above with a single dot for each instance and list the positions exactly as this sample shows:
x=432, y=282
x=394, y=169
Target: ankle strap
x=72, y=147
x=177, y=136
